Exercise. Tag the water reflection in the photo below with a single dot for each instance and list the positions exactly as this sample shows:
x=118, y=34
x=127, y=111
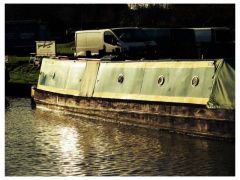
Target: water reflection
x=52, y=144
x=70, y=153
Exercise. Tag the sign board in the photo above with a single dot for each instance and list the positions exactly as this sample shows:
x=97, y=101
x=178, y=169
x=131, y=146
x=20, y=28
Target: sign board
x=45, y=48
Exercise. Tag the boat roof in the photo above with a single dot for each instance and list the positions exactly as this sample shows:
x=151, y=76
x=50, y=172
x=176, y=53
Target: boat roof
x=93, y=30
x=201, y=28
x=198, y=28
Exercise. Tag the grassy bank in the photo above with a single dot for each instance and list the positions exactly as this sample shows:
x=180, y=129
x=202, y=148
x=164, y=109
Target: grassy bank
x=65, y=49
x=20, y=71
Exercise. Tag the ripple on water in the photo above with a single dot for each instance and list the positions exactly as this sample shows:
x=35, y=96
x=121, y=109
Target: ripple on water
x=45, y=144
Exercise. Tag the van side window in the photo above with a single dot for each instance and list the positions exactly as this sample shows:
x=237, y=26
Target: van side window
x=110, y=38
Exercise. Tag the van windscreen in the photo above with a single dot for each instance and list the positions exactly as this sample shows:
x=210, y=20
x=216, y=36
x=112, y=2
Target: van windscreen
x=131, y=35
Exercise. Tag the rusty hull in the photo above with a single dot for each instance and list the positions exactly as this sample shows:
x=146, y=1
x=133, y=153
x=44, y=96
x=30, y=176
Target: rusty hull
x=194, y=120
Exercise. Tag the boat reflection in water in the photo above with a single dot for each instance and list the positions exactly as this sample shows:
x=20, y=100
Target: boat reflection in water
x=43, y=143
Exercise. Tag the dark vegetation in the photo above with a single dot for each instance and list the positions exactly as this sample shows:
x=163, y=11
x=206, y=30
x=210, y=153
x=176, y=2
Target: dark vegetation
x=62, y=20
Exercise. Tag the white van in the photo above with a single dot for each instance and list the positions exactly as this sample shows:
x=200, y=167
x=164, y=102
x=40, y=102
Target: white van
x=130, y=41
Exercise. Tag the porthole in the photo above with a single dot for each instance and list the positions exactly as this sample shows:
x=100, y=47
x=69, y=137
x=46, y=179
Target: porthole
x=161, y=80
x=120, y=78
x=195, y=81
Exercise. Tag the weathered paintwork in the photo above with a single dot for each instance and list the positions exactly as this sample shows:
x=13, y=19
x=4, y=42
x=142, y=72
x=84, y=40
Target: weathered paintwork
x=190, y=97
x=141, y=81
x=57, y=76
x=159, y=81
x=107, y=85
x=223, y=90
x=89, y=78
x=194, y=120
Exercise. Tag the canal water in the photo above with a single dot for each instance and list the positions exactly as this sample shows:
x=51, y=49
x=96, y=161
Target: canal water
x=41, y=143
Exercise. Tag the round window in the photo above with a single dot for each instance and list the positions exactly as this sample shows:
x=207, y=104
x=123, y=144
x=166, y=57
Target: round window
x=195, y=81
x=120, y=78
x=161, y=80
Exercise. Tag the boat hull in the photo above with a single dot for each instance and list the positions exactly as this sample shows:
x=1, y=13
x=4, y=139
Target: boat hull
x=196, y=120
